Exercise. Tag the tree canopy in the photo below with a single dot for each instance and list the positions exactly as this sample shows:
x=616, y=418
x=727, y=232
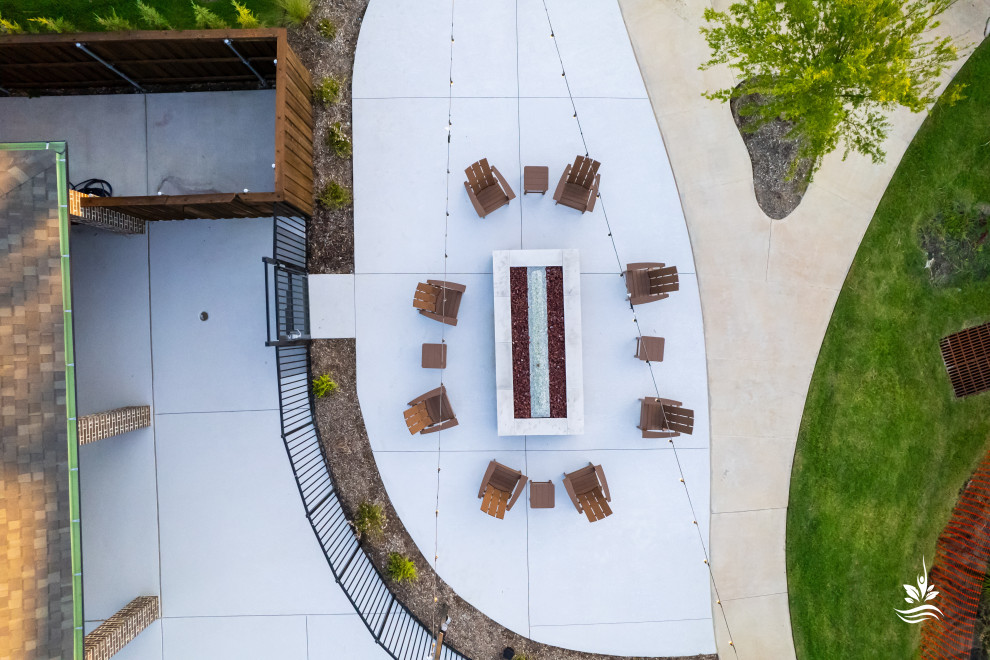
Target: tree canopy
x=831, y=67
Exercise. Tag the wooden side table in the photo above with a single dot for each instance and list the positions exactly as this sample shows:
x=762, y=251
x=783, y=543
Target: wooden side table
x=649, y=348
x=434, y=356
x=536, y=178
x=541, y=495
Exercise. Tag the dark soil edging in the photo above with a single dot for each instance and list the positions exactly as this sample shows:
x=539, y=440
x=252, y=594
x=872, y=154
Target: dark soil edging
x=772, y=154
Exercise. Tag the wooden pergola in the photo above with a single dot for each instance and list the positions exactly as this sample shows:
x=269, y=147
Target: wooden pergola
x=181, y=60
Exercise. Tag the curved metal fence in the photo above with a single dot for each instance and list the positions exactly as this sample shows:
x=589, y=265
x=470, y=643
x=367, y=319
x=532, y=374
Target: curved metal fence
x=391, y=624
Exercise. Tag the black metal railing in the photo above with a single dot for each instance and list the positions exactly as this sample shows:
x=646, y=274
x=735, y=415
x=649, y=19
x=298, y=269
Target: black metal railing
x=391, y=624
x=286, y=283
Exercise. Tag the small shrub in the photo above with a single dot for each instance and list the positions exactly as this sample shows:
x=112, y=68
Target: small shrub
x=152, y=17
x=245, y=17
x=369, y=521
x=113, y=22
x=401, y=568
x=956, y=243
x=206, y=19
x=296, y=11
x=327, y=28
x=338, y=142
x=54, y=24
x=328, y=91
x=323, y=386
x=334, y=196
x=520, y=656
x=9, y=27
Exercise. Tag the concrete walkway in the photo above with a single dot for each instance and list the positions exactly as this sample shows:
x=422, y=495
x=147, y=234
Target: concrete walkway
x=767, y=291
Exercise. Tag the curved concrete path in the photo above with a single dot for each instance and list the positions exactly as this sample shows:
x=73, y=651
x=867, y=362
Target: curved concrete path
x=632, y=584
x=767, y=292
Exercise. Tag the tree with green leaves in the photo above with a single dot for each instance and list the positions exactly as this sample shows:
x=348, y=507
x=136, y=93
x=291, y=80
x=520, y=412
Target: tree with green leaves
x=831, y=68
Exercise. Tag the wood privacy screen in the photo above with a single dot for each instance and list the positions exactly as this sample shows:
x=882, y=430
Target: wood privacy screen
x=967, y=359
x=181, y=60
x=957, y=574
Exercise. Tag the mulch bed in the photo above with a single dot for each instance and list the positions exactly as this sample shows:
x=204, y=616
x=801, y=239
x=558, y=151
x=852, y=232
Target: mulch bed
x=518, y=292
x=778, y=191
x=556, y=341
x=338, y=416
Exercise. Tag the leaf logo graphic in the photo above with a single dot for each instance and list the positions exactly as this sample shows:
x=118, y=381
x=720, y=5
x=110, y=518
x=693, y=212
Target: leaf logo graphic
x=920, y=596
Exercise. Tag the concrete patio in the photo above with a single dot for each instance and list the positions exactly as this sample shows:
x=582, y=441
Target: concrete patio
x=200, y=509
x=632, y=584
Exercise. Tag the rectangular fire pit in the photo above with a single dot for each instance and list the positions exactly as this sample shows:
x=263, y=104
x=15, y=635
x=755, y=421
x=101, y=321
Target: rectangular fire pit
x=538, y=365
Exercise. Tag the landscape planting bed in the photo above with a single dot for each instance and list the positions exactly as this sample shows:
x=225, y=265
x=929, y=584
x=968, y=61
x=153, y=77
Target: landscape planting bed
x=538, y=342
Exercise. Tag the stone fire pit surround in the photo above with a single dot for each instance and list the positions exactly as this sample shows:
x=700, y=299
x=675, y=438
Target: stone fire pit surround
x=508, y=424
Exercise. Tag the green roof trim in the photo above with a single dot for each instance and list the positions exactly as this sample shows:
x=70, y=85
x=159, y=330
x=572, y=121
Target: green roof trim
x=59, y=149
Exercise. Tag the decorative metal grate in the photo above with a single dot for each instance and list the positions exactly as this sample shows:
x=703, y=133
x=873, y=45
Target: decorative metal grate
x=102, y=218
x=114, y=633
x=967, y=359
x=91, y=428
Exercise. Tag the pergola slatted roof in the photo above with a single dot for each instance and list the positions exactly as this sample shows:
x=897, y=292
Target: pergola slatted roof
x=153, y=59
x=181, y=60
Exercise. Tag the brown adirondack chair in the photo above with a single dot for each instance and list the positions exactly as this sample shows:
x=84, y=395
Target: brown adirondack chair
x=648, y=281
x=430, y=413
x=664, y=418
x=588, y=490
x=487, y=188
x=578, y=185
x=439, y=300
x=500, y=488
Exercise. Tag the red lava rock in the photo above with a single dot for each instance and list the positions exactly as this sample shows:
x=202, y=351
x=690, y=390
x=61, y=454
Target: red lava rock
x=556, y=341
x=519, y=306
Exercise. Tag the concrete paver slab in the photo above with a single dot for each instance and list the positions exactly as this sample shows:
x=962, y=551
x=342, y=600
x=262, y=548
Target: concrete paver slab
x=214, y=267
x=539, y=64
x=121, y=560
x=484, y=53
x=400, y=161
x=113, y=359
x=341, y=636
x=221, y=478
x=595, y=49
x=331, y=306
x=381, y=63
x=236, y=638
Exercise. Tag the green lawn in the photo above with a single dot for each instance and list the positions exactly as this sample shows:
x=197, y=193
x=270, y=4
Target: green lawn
x=884, y=448
x=82, y=13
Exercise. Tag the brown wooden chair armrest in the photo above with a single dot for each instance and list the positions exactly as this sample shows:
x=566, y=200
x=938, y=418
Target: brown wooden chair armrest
x=484, y=480
x=670, y=402
x=644, y=264
x=559, y=192
x=520, y=485
x=474, y=200
x=659, y=434
x=453, y=286
x=428, y=395
x=442, y=426
x=635, y=300
x=570, y=492
x=449, y=320
x=506, y=188
x=601, y=478
x=594, y=193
